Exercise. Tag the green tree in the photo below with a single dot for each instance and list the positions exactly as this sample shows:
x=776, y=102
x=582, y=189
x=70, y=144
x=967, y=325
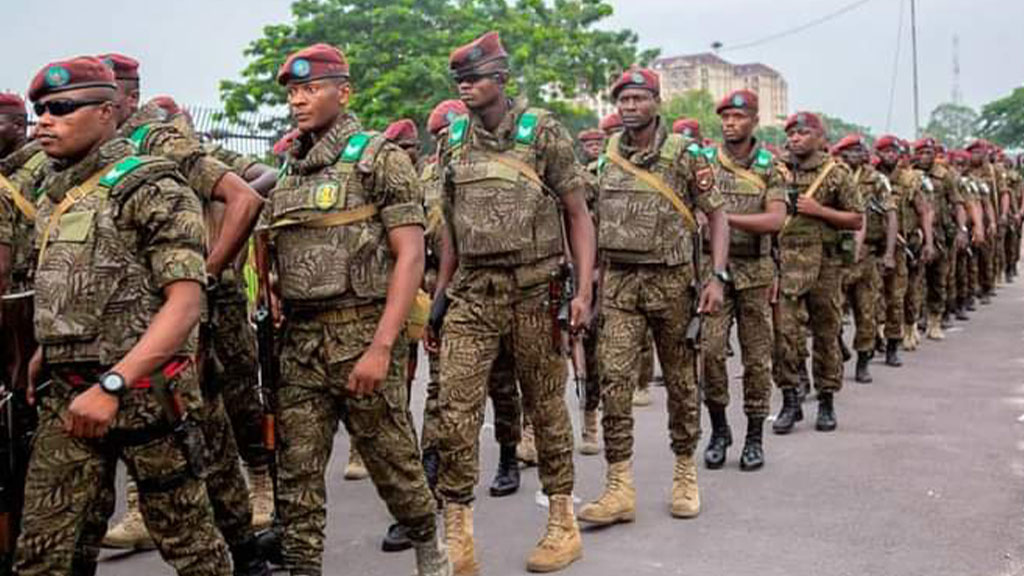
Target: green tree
x=952, y=124
x=697, y=104
x=398, y=51
x=773, y=135
x=1002, y=121
x=836, y=129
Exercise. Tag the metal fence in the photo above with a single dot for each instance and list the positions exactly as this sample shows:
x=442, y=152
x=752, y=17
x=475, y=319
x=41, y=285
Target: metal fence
x=253, y=134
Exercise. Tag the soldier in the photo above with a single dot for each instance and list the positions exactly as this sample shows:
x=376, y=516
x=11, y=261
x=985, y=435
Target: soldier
x=1015, y=187
x=509, y=173
x=814, y=245
x=611, y=124
x=965, y=280
x=688, y=128
x=876, y=250
x=751, y=181
x=118, y=290
x=592, y=143
x=984, y=176
x=648, y=191
x=591, y=146
x=345, y=227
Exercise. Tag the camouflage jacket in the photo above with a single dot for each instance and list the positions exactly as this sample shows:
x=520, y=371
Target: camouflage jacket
x=876, y=191
x=908, y=188
x=24, y=169
x=837, y=191
x=946, y=198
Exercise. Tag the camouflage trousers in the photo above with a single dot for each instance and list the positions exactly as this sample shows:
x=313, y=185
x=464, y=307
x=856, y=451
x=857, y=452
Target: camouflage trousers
x=67, y=475
x=1012, y=247
x=502, y=389
x=936, y=274
x=862, y=285
x=638, y=298
x=953, y=258
x=986, y=267
x=488, y=306
x=317, y=356
x=895, y=289
x=913, y=300
x=999, y=253
x=593, y=383
x=752, y=310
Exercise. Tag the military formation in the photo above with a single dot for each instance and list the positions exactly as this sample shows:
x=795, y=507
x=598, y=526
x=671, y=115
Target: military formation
x=515, y=259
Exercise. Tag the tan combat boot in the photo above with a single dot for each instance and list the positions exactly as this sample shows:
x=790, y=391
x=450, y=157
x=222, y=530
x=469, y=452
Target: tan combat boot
x=261, y=497
x=685, y=495
x=618, y=502
x=589, y=445
x=355, y=470
x=642, y=396
x=432, y=558
x=526, y=450
x=130, y=533
x=458, y=531
x=910, y=337
x=561, y=544
x=935, y=327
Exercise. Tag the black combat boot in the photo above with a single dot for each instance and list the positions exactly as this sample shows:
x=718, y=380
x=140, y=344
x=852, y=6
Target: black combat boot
x=863, y=375
x=961, y=311
x=506, y=480
x=790, y=414
x=753, y=449
x=268, y=543
x=826, y=413
x=721, y=438
x=946, y=322
x=892, y=353
x=844, y=349
x=986, y=298
x=432, y=467
x=970, y=304
x=248, y=560
x=397, y=538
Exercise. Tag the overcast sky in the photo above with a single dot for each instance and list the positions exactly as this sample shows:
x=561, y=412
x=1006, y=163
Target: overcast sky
x=843, y=67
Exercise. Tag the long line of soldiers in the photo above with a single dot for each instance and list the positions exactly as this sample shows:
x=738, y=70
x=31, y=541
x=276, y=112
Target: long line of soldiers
x=125, y=232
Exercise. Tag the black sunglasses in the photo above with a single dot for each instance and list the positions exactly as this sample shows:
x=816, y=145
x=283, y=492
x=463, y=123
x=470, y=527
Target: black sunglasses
x=473, y=78
x=63, y=107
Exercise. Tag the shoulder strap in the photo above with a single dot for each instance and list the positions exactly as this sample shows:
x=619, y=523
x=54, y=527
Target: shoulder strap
x=138, y=136
x=813, y=189
x=652, y=180
x=354, y=148
x=83, y=190
x=23, y=205
x=526, y=127
x=120, y=170
x=742, y=173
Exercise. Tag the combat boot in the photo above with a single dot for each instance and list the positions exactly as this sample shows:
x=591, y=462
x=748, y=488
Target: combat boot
x=986, y=298
x=355, y=470
x=970, y=305
x=261, y=497
x=946, y=320
x=432, y=558
x=642, y=396
x=721, y=438
x=935, y=327
x=526, y=450
x=892, y=353
x=618, y=502
x=506, y=480
x=458, y=532
x=268, y=543
x=247, y=560
x=790, y=414
x=589, y=445
x=910, y=337
x=131, y=532
x=826, y=413
x=844, y=350
x=685, y=494
x=752, y=457
x=961, y=312
x=396, y=539
x=561, y=544
x=863, y=374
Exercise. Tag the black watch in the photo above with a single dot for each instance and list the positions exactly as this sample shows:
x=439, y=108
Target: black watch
x=723, y=276
x=113, y=383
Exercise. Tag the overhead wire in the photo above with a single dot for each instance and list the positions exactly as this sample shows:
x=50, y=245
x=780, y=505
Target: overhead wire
x=895, y=65
x=796, y=29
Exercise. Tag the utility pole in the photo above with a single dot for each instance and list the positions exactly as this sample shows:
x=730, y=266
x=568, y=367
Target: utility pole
x=913, y=41
x=957, y=95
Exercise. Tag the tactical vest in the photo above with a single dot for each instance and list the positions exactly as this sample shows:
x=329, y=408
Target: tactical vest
x=637, y=224
x=24, y=178
x=908, y=185
x=501, y=213
x=872, y=184
x=745, y=194
x=805, y=228
x=95, y=294
x=326, y=262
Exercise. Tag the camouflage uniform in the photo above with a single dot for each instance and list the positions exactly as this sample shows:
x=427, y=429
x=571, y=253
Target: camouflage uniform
x=648, y=284
x=966, y=260
x=945, y=200
x=333, y=282
x=751, y=190
x=985, y=254
x=1014, y=183
x=507, y=235
x=143, y=229
x=907, y=188
x=863, y=281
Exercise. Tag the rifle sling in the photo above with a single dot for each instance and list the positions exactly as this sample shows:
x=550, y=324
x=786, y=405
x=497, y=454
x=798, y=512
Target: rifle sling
x=812, y=189
x=741, y=172
x=659, y=185
x=364, y=212
x=20, y=201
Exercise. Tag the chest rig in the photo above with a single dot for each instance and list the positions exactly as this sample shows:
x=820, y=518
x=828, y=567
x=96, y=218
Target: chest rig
x=744, y=192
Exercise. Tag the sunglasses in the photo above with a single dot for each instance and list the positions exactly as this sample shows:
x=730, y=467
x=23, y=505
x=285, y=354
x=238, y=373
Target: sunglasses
x=473, y=78
x=63, y=107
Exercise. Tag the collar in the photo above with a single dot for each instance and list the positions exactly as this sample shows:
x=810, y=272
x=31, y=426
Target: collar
x=308, y=155
x=648, y=155
x=15, y=160
x=66, y=176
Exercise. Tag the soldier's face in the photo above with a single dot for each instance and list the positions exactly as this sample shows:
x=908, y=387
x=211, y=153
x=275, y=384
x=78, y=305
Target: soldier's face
x=126, y=101
x=925, y=157
x=738, y=125
x=478, y=91
x=315, y=105
x=854, y=156
x=73, y=135
x=637, y=107
x=978, y=157
x=592, y=149
x=803, y=141
x=12, y=130
x=413, y=151
x=890, y=156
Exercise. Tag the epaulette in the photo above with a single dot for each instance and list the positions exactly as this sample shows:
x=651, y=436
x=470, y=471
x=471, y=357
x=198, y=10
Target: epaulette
x=133, y=171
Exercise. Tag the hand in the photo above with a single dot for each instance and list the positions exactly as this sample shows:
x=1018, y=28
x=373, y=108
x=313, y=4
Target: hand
x=431, y=341
x=579, y=313
x=928, y=253
x=979, y=237
x=889, y=261
x=91, y=413
x=961, y=241
x=276, y=310
x=992, y=230
x=370, y=370
x=35, y=368
x=773, y=291
x=711, y=298
x=808, y=207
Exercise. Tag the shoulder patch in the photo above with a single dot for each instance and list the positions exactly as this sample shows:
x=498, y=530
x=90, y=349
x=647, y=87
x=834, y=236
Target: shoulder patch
x=694, y=149
x=120, y=170
x=138, y=137
x=354, y=148
x=764, y=159
x=457, y=131
x=711, y=153
x=526, y=129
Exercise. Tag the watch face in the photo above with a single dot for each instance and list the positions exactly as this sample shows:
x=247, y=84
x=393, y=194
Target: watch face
x=112, y=382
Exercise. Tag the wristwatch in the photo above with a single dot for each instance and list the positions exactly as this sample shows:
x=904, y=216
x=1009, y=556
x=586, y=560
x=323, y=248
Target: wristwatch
x=723, y=276
x=113, y=383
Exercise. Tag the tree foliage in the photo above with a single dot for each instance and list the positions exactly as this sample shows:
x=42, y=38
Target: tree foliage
x=1002, y=121
x=398, y=51
x=836, y=129
x=697, y=104
x=952, y=124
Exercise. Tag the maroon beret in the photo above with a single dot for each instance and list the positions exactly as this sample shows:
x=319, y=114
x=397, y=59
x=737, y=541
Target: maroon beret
x=124, y=67
x=72, y=74
x=926, y=142
x=848, y=141
x=887, y=141
x=688, y=127
x=805, y=120
x=313, y=63
x=282, y=145
x=978, y=144
x=167, y=104
x=11, y=104
x=591, y=134
x=637, y=78
x=610, y=123
x=483, y=50
x=402, y=131
x=740, y=99
x=443, y=114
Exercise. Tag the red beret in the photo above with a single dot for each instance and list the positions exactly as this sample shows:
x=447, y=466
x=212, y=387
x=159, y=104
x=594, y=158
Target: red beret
x=805, y=120
x=282, y=145
x=886, y=142
x=591, y=134
x=848, y=141
x=124, y=67
x=483, y=50
x=741, y=99
x=637, y=78
x=926, y=142
x=402, y=131
x=313, y=63
x=80, y=72
x=610, y=123
x=688, y=127
x=167, y=104
x=11, y=104
x=443, y=114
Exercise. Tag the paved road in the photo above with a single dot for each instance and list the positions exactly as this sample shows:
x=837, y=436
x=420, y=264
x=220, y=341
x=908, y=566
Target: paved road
x=924, y=477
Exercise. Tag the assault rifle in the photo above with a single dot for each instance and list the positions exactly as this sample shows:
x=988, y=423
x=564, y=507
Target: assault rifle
x=269, y=366
x=875, y=206
x=695, y=329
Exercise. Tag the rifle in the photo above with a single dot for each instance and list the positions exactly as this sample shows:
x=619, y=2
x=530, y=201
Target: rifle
x=269, y=367
x=875, y=206
x=695, y=329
